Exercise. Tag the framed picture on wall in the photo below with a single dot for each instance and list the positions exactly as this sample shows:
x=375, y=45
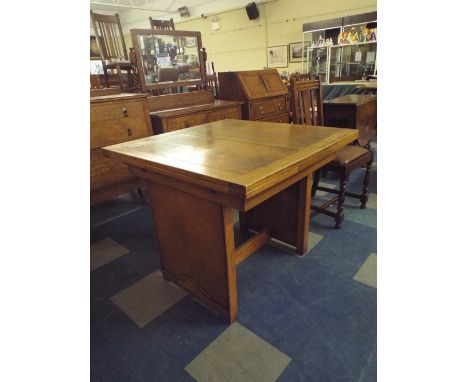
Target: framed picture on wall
x=190, y=42
x=277, y=56
x=296, y=53
x=94, y=48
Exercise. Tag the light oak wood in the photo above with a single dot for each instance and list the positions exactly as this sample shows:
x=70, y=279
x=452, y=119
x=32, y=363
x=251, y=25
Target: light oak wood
x=196, y=177
x=114, y=119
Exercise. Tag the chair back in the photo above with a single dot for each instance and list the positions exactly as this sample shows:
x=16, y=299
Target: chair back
x=109, y=36
x=306, y=102
x=301, y=76
x=162, y=24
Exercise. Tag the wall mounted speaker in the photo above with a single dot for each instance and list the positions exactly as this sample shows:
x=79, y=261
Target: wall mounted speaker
x=184, y=12
x=252, y=11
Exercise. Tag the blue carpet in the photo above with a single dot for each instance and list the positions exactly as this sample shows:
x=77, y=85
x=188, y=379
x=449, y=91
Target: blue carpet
x=309, y=308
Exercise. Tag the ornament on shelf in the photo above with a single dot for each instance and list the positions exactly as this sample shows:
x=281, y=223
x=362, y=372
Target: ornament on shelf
x=364, y=34
x=341, y=38
x=372, y=35
x=320, y=41
x=354, y=36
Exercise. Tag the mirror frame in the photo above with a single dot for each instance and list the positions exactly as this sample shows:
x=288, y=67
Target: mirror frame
x=170, y=84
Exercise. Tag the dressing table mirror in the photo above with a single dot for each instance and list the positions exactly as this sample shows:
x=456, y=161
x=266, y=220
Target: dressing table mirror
x=168, y=59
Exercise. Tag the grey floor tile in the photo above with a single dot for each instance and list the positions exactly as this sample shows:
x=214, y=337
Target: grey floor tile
x=148, y=298
x=105, y=251
x=314, y=239
x=238, y=355
x=372, y=201
x=367, y=274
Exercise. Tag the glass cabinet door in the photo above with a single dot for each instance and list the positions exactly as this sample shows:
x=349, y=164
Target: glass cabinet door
x=317, y=62
x=352, y=62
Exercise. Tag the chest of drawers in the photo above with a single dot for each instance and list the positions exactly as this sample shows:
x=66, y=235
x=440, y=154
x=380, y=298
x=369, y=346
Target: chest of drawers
x=115, y=119
x=264, y=94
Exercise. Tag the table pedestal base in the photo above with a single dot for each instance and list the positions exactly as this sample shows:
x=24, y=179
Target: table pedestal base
x=196, y=238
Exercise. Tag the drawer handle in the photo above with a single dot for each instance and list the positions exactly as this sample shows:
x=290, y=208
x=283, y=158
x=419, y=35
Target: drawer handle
x=130, y=132
x=279, y=105
x=125, y=112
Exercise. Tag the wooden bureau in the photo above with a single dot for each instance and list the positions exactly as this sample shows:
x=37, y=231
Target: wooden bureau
x=264, y=94
x=179, y=111
x=115, y=119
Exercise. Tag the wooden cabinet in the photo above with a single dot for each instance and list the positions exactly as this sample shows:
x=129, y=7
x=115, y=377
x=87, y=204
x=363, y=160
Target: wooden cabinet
x=264, y=94
x=193, y=109
x=353, y=111
x=115, y=119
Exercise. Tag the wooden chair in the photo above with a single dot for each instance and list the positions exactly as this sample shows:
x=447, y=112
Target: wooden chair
x=162, y=24
x=109, y=35
x=212, y=81
x=301, y=76
x=307, y=108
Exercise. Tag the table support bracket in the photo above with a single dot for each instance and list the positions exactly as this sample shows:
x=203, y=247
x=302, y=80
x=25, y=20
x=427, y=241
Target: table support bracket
x=251, y=245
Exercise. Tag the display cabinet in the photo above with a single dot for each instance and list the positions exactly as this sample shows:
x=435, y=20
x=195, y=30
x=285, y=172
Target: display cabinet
x=168, y=58
x=352, y=62
x=341, y=31
x=342, y=63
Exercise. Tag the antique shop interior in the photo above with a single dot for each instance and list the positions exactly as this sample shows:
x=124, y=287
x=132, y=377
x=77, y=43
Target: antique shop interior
x=233, y=190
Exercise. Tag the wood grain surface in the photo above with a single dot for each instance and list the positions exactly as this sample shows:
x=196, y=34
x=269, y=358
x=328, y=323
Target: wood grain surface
x=236, y=157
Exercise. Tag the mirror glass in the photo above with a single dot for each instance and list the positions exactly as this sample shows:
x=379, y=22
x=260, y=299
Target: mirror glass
x=169, y=58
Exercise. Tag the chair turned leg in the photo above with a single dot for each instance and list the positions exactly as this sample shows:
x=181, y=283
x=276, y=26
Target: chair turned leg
x=341, y=199
x=316, y=181
x=365, y=188
x=140, y=193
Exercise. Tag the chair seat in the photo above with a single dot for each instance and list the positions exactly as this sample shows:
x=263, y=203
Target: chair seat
x=349, y=154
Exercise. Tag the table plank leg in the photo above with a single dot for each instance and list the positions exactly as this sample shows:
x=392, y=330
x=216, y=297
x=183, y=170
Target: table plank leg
x=286, y=215
x=196, y=241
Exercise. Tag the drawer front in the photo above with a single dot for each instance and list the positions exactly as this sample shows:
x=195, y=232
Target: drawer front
x=178, y=123
x=117, y=122
x=263, y=109
x=106, y=171
x=280, y=118
x=228, y=113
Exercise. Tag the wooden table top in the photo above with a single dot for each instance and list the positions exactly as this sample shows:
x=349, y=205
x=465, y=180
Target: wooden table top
x=237, y=157
x=351, y=99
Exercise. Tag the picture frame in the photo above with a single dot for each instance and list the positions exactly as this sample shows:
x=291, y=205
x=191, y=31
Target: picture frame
x=296, y=51
x=94, y=52
x=277, y=56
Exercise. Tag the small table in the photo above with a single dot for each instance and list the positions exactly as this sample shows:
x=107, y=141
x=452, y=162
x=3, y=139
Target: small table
x=354, y=111
x=197, y=176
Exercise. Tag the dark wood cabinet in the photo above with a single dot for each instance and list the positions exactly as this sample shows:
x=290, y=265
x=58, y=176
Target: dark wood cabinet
x=115, y=119
x=264, y=94
x=353, y=111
